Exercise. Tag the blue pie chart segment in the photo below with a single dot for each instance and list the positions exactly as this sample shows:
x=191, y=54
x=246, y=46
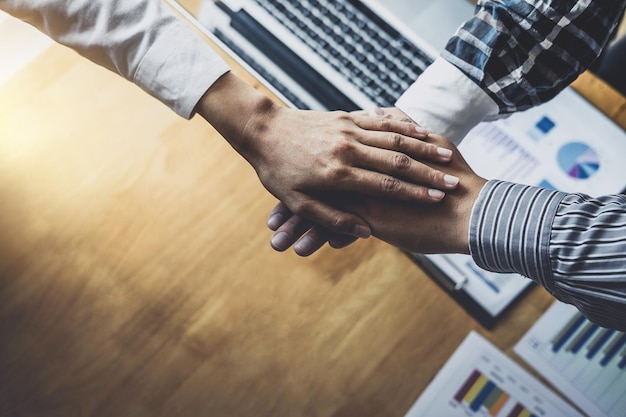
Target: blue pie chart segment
x=578, y=160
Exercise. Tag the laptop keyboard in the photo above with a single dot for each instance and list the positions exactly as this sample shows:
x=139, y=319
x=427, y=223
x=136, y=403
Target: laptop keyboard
x=363, y=48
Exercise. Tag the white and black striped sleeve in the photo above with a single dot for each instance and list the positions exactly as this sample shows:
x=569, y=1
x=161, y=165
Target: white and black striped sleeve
x=572, y=244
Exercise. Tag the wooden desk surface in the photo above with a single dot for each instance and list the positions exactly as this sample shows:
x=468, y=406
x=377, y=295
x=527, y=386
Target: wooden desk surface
x=136, y=278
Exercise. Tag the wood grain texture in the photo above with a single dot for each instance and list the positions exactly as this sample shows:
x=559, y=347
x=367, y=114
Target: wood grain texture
x=603, y=96
x=136, y=277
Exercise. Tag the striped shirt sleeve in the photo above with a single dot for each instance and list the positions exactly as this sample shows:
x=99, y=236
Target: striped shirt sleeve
x=572, y=244
x=523, y=52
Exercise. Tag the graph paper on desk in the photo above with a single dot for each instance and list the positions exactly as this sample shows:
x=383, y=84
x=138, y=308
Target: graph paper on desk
x=479, y=380
x=587, y=363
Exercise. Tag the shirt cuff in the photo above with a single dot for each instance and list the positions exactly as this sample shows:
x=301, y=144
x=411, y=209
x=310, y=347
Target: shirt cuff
x=179, y=68
x=447, y=102
x=510, y=229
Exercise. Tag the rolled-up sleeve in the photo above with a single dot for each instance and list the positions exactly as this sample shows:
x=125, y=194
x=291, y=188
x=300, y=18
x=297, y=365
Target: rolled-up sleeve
x=572, y=244
x=141, y=40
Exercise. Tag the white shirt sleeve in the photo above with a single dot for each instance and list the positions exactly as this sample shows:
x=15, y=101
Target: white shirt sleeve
x=142, y=40
x=447, y=102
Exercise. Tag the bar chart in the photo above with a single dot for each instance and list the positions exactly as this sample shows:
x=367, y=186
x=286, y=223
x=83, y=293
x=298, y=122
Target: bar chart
x=583, y=360
x=479, y=380
x=493, y=153
x=480, y=393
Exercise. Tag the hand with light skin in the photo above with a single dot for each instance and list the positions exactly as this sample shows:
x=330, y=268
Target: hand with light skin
x=300, y=154
x=422, y=228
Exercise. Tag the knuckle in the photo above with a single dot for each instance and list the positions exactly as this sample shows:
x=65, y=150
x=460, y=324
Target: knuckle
x=398, y=142
x=431, y=149
x=337, y=173
x=300, y=207
x=390, y=184
x=435, y=176
x=384, y=124
x=401, y=162
x=342, y=115
x=342, y=147
x=340, y=224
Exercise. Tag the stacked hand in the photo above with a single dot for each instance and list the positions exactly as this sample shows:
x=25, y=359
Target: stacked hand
x=301, y=156
x=415, y=227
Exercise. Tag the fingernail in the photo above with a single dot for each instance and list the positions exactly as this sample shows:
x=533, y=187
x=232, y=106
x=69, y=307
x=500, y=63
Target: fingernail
x=450, y=179
x=436, y=194
x=304, y=246
x=361, y=231
x=422, y=131
x=275, y=221
x=444, y=152
x=280, y=241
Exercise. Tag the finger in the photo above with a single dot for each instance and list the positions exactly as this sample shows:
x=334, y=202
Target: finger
x=388, y=124
x=341, y=241
x=376, y=184
x=381, y=172
x=373, y=112
x=289, y=232
x=378, y=112
x=397, y=142
x=401, y=165
x=415, y=148
x=307, y=242
x=279, y=215
x=312, y=240
x=382, y=112
x=333, y=219
x=315, y=238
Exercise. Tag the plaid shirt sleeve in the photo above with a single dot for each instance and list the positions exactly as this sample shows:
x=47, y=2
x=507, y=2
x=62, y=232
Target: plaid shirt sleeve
x=523, y=52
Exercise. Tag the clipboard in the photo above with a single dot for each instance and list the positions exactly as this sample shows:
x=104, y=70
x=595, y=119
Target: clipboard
x=455, y=285
x=565, y=144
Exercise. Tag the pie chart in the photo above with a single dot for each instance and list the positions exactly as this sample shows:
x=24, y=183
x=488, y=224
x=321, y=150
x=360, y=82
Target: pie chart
x=578, y=160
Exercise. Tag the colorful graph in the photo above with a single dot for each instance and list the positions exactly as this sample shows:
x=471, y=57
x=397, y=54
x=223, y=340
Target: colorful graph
x=585, y=361
x=479, y=380
x=520, y=411
x=494, y=153
x=608, y=346
x=478, y=391
x=578, y=160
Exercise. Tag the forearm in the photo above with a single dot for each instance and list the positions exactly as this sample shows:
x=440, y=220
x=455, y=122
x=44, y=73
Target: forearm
x=142, y=40
x=573, y=245
x=588, y=252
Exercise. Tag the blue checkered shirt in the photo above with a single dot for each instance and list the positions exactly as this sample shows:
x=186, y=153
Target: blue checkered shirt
x=523, y=52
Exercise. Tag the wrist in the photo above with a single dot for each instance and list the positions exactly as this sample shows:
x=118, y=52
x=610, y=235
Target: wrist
x=463, y=203
x=239, y=112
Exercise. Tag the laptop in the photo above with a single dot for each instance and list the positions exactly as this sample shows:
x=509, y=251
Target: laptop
x=333, y=54
x=354, y=54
